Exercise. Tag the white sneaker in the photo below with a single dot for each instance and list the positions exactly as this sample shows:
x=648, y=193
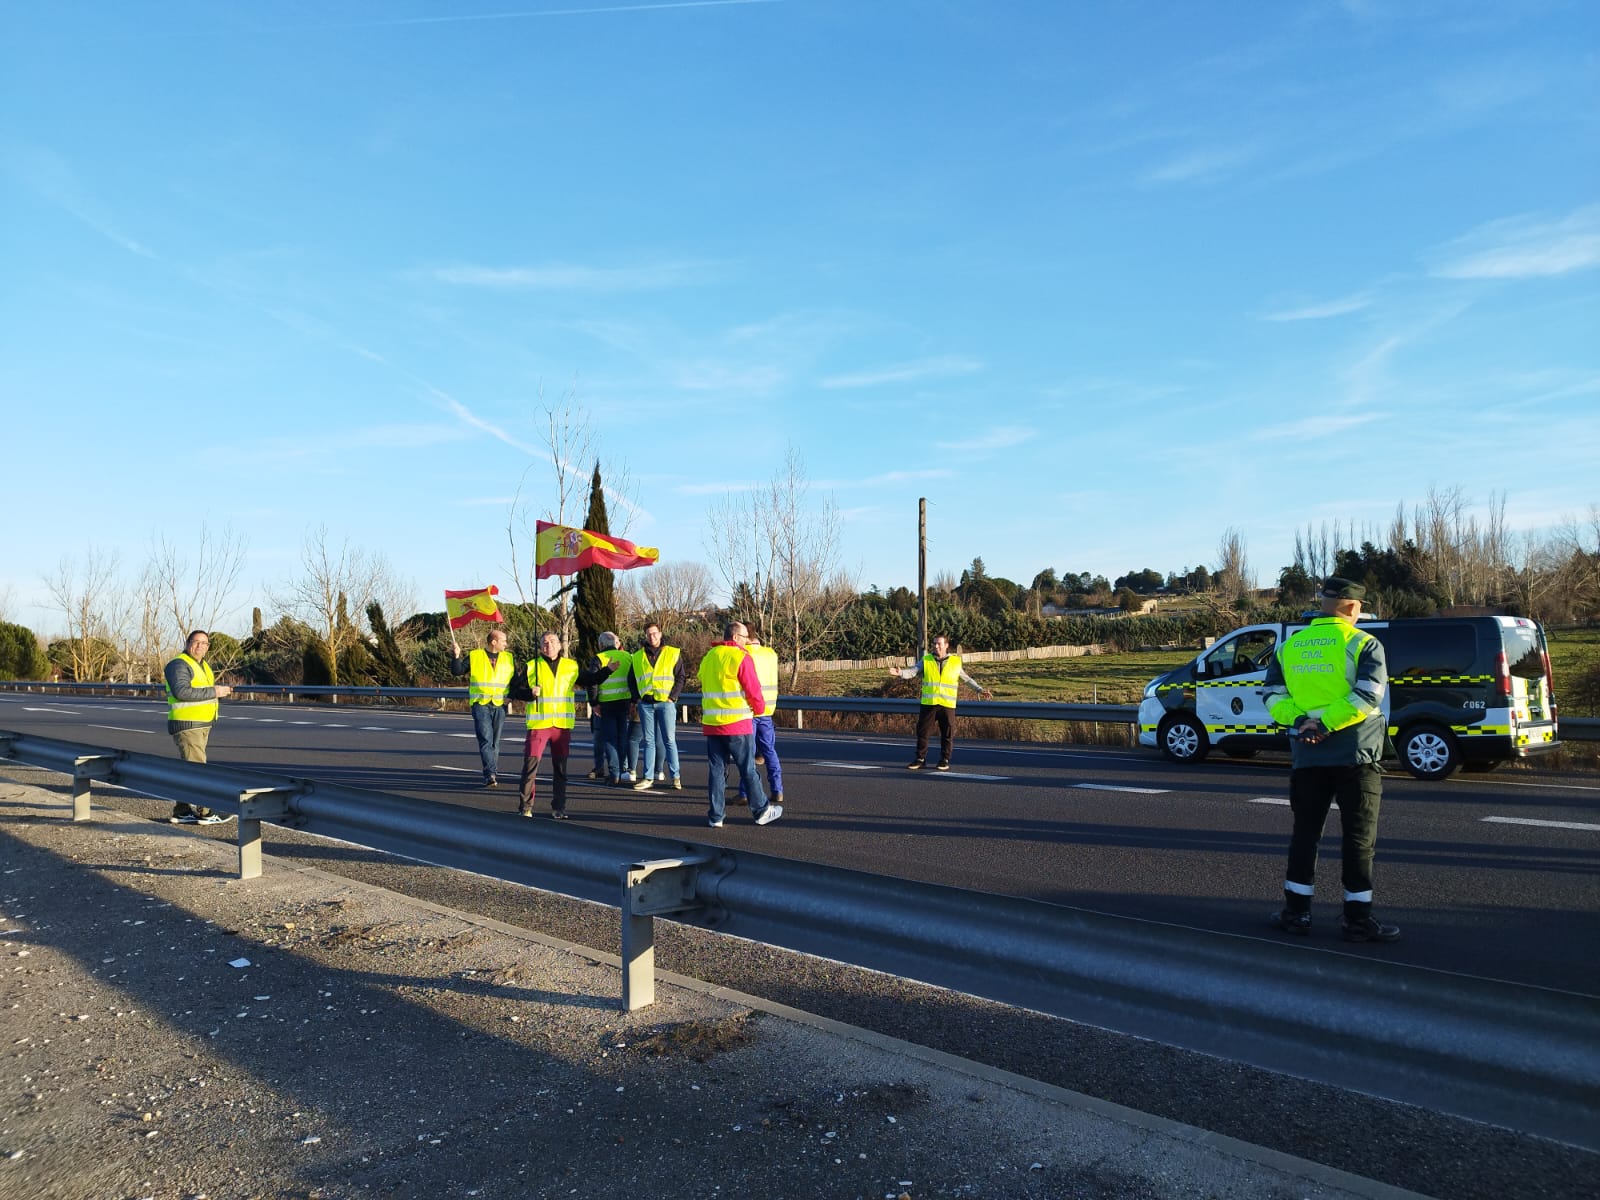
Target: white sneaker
x=769, y=814
x=644, y=785
x=714, y=823
x=627, y=777
x=661, y=776
x=677, y=784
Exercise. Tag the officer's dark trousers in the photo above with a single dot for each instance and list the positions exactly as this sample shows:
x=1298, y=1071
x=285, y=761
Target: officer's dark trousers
x=1312, y=791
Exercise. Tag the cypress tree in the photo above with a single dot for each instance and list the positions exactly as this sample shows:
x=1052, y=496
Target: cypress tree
x=596, y=607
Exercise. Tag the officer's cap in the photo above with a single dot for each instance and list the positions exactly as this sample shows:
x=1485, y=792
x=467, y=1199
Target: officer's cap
x=1335, y=588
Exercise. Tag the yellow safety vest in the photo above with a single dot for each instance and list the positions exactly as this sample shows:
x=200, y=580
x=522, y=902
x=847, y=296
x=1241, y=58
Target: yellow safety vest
x=487, y=682
x=722, y=700
x=939, y=687
x=766, y=660
x=193, y=710
x=554, y=707
x=1319, y=675
x=615, y=686
x=655, y=679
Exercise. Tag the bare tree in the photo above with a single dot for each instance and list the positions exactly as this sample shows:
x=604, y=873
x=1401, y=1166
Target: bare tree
x=572, y=445
x=337, y=584
x=8, y=600
x=781, y=551
x=194, y=585
x=91, y=601
x=1234, y=576
x=668, y=593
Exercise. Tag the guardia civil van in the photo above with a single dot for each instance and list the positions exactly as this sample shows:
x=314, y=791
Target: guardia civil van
x=1469, y=692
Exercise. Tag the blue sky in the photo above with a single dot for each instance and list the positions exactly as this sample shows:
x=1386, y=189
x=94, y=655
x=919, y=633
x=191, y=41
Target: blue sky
x=1098, y=280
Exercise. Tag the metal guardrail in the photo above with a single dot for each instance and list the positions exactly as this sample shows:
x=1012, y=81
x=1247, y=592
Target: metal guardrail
x=1524, y=1057
x=1572, y=729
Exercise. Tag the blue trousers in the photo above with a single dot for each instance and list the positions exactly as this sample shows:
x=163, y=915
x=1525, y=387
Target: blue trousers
x=658, y=721
x=767, y=748
x=488, y=720
x=621, y=734
x=740, y=750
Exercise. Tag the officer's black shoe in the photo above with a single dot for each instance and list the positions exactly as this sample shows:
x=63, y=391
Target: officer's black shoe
x=1292, y=922
x=914, y=765
x=1368, y=929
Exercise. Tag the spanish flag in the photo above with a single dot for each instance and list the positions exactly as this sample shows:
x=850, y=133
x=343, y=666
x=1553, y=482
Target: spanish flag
x=476, y=604
x=563, y=550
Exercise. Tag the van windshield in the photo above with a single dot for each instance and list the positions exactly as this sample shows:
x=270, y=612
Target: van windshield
x=1524, y=654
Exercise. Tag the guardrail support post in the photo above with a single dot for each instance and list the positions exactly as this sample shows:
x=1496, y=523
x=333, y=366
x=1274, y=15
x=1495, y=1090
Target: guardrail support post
x=96, y=766
x=254, y=804
x=649, y=889
x=799, y=718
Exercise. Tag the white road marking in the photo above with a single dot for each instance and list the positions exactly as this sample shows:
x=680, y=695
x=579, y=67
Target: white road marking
x=965, y=775
x=1500, y=782
x=374, y=729
x=1270, y=800
x=302, y=722
x=468, y=770
x=119, y=728
x=270, y=720
x=1541, y=824
x=1111, y=787
x=466, y=735
x=66, y=712
x=843, y=766
x=332, y=726
x=424, y=732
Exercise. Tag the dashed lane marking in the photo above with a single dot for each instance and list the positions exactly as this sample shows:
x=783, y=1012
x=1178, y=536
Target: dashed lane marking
x=119, y=728
x=1270, y=800
x=66, y=712
x=468, y=770
x=844, y=766
x=966, y=776
x=1112, y=787
x=1541, y=824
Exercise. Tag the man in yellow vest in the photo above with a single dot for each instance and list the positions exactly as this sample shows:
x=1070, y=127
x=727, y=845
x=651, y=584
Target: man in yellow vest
x=942, y=677
x=657, y=681
x=762, y=728
x=488, y=675
x=1327, y=682
x=192, y=695
x=549, y=684
x=618, y=730
x=730, y=700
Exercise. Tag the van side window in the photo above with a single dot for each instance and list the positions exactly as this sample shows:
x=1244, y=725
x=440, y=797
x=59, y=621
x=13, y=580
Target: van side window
x=1248, y=652
x=1424, y=648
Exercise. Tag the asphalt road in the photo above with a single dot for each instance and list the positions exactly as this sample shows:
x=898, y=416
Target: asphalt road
x=1492, y=875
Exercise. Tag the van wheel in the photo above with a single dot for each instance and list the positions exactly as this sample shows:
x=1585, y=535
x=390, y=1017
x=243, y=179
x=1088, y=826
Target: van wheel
x=1182, y=739
x=1429, y=752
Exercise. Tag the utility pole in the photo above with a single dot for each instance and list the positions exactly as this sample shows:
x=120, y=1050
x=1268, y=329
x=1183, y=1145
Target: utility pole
x=922, y=577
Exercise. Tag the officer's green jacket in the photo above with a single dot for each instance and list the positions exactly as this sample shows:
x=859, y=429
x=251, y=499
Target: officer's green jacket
x=1336, y=671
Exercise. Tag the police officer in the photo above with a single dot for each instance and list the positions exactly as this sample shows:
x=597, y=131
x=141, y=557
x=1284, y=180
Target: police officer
x=1327, y=683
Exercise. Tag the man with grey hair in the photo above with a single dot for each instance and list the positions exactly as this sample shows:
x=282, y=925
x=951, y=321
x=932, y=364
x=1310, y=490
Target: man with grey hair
x=730, y=700
x=1327, y=683
x=618, y=731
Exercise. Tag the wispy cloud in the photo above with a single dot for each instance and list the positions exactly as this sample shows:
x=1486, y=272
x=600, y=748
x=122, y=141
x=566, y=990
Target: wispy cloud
x=1525, y=247
x=327, y=444
x=886, y=479
x=573, y=277
x=1319, y=425
x=1202, y=166
x=467, y=417
x=1322, y=311
x=53, y=179
x=926, y=368
x=996, y=439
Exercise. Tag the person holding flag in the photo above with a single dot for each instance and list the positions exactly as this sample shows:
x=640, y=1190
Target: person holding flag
x=549, y=684
x=488, y=671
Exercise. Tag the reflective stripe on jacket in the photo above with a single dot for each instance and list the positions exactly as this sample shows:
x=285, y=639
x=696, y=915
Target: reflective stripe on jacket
x=554, y=707
x=202, y=711
x=940, y=684
x=615, y=685
x=722, y=698
x=487, y=682
x=655, y=679
x=766, y=660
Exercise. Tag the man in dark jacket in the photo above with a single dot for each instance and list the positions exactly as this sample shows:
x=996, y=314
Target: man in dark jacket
x=192, y=695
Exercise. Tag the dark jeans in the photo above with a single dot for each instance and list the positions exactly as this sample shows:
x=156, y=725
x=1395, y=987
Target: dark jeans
x=559, y=741
x=1357, y=790
x=740, y=750
x=621, y=734
x=927, y=716
x=488, y=720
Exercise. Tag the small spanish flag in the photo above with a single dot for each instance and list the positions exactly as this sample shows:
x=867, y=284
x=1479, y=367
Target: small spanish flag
x=563, y=550
x=476, y=604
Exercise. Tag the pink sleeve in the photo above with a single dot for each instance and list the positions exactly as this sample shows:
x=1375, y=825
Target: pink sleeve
x=751, y=683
